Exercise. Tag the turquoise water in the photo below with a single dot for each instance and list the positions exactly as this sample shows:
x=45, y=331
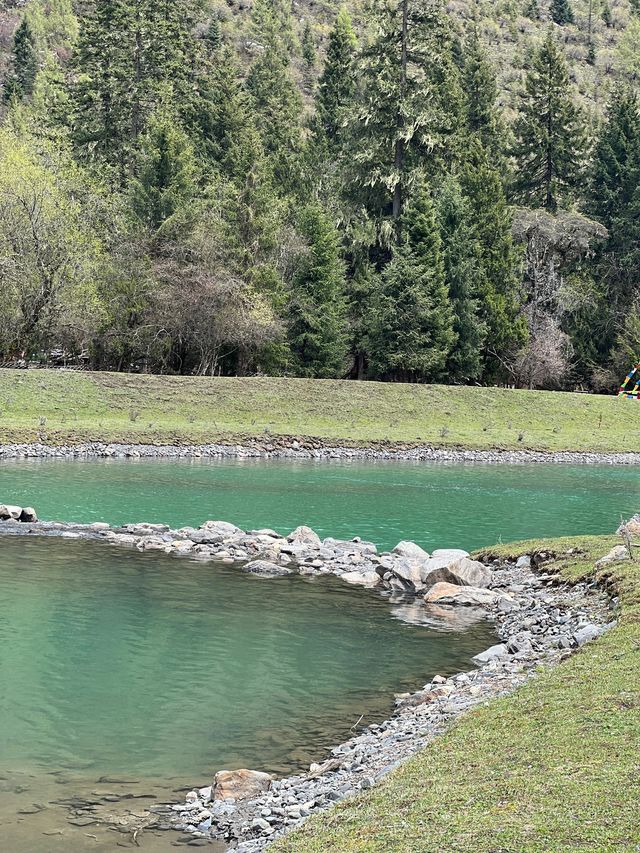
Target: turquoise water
x=433, y=504
x=144, y=665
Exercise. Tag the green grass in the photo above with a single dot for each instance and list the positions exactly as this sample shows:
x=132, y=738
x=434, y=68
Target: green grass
x=68, y=406
x=555, y=767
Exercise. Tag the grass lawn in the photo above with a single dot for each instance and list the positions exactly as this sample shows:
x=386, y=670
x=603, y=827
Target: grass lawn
x=555, y=767
x=69, y=406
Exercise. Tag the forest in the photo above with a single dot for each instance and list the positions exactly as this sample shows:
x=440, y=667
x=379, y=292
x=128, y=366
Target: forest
x=356, y=203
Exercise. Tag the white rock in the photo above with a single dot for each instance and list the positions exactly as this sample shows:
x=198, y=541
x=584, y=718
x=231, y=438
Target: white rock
x=411, y=550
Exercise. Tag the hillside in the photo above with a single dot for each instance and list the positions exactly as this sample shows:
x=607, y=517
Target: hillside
x=69, y=407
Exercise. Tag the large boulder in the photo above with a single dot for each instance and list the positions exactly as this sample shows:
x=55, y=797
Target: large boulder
x=463, y=572
x=8, y=512
x=450, y=554
x=410, y=571
x=240, y=784
x=266, y=569
x=305, y=535
x=449, y=593
x=28, y=514
x=410, y=550
x=221, y=528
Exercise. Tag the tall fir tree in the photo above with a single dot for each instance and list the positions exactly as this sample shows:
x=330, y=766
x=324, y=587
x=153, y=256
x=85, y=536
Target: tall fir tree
x=409, y=108
x=337, y=83
x=412, y=331
x=481, y=92
x=23, y=65
x=317, y=319
x=550, y=133
x=276, y=99
x=500, y=297
x=464, y=277
x=561, y=12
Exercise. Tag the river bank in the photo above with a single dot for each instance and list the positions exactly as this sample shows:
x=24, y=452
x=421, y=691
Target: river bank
x=537, y=620
x=305, y=448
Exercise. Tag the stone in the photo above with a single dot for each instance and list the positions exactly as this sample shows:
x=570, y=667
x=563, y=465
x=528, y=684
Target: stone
x=305, y=535
x=463, y=572
x=221, y=528
x=449, y=554
x=523, y=562
x=615, y=555
x=28, y=514
x=265, y=569
x=368, y=579
x=240, y=784
x=8, y=512
x=493, y=653
x=411, y=550
x=448, y=593
x=411, y=571
x=587, y=633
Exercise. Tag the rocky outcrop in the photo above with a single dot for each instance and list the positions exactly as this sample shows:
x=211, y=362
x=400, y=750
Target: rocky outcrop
x=264, y=569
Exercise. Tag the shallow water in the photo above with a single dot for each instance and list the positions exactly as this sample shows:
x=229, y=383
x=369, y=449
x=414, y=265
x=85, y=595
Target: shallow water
x=436, y=505
x=145, y=666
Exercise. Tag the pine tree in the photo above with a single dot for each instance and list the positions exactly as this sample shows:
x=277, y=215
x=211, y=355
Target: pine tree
x=337, y=81
x=607, y=16
x=23, y=65
x=276, y=99
x=481, y=91
x=561, y=12
x=317, y=307
x=464, y=278
x=412, y=332
x=308, y=53
x=500, y=299
x=532, y=10
x=550, y=136
x=131, y=54
x=213, y=34
x=167, y=174
x=410, y=106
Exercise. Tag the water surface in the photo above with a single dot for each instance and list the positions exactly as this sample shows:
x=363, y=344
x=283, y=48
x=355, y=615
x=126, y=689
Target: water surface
x=459, y=505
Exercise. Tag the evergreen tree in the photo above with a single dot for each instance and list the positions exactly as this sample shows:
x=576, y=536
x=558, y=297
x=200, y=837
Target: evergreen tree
x=167, y=174
x=500, y=299
x=213, y=34
x=481, y=91
x=130, y=55
x=561, y=12
x=607, y=16
x=337, y=81
x=550, y=137
x=412, y=332
x=317, y=308
x=23, y=65
x=276, y=99
x=464, y=278
x=308, y=53
x=410, y=106
x=532, y=10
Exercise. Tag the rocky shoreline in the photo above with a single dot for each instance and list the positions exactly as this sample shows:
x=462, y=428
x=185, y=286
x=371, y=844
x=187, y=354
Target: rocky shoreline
x=538, y=621
x=292, y=448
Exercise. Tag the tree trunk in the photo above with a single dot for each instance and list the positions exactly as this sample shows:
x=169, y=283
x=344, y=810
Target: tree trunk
x=398, y=160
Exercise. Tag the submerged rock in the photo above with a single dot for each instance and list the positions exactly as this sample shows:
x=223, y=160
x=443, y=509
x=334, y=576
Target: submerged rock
x=265, y=569
x=370, y=579
x=240, y=784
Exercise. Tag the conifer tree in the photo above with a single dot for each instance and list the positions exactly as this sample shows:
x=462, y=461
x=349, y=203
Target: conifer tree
x=308, y=53
x=410, y=106
x=561, y=12
x=23, y=66
x=412, y=330
x=532, y=10
x=500, y=299
x=166, y=184
x=337, y=81
x=550, y=137
x=464, y=278
x=481, y=91
x=276, y=99
x=317, y=308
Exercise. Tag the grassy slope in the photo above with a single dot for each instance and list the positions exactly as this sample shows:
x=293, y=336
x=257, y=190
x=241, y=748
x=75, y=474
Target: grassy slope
x=121, y=407
x=552, y=768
